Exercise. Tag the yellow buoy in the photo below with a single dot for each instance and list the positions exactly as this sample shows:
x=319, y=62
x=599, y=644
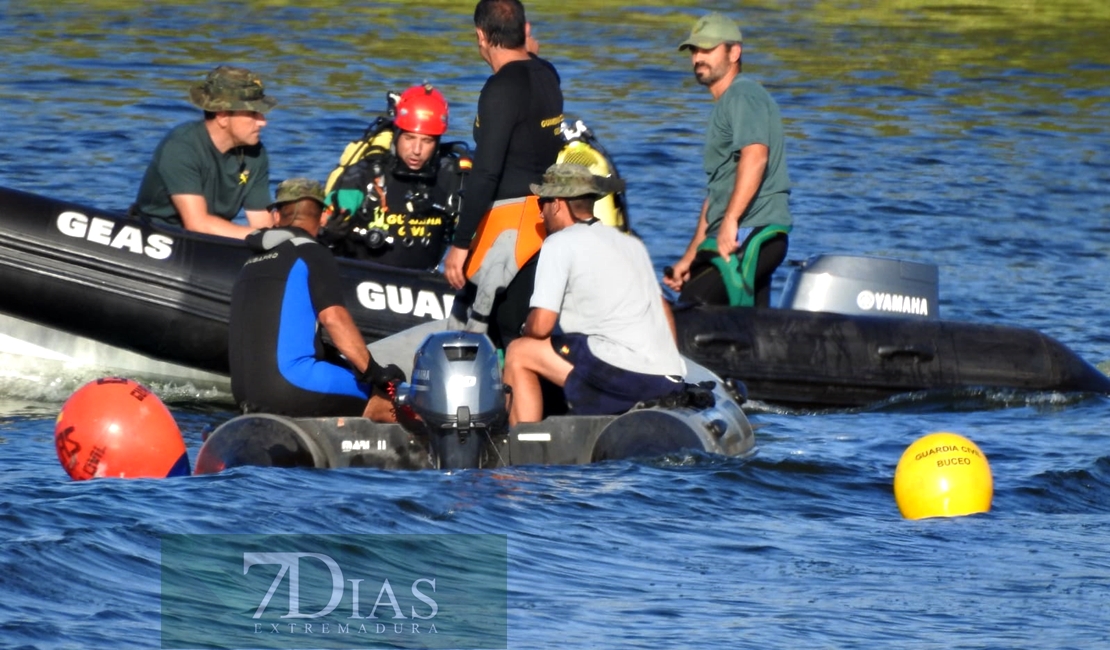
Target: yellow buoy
x=943, y=475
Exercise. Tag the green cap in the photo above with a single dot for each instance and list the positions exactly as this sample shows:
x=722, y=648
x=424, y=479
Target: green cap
x=231, y=89
x=568, y=180
x=710, y=31
x=295, y=189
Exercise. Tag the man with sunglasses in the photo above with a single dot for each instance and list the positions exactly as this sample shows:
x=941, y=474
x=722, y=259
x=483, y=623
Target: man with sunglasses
x=205, y=171
x=615, y=343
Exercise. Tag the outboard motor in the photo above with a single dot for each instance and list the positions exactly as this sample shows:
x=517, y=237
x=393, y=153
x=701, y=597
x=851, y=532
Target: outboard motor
x=457, y=392
x=863, y=286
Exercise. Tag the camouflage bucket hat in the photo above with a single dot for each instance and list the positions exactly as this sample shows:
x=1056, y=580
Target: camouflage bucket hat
x=231, y=89
x=569, y=180
x=295, y=189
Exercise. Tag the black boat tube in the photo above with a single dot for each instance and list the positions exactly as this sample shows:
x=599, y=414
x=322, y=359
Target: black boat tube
x=822, y=359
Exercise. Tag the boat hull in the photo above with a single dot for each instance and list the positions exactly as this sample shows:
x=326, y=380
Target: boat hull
x=265, y=440
x=164, y=294
x=821, y=359
x=29, y=350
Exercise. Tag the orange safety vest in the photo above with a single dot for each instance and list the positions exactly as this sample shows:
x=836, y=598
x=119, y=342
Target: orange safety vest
x=522, y=215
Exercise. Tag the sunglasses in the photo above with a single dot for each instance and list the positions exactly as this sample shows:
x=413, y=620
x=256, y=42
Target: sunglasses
x=546, y=200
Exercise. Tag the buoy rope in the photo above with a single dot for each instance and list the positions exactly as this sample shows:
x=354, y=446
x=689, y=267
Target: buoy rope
x=399, y=412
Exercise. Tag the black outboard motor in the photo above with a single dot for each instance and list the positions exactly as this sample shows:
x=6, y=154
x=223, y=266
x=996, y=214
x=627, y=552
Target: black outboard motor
x=457, y=392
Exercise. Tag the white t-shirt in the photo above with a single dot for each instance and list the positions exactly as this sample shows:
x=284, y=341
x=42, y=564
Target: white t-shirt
x=602, y=284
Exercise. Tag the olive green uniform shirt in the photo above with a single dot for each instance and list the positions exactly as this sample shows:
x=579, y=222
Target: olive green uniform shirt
x=187, y=162
x=746, y=114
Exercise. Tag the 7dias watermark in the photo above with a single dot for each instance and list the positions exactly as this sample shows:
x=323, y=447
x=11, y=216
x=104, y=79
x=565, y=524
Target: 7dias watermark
x=334, y=591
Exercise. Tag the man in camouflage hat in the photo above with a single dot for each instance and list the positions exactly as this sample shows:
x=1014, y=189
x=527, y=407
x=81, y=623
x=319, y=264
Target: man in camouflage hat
x=294, y=191
x=616, y=345
x=204, y=172
x=275, y=349
x=743, y=228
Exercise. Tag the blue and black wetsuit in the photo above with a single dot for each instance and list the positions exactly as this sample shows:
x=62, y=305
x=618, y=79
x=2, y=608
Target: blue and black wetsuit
x=275, y=348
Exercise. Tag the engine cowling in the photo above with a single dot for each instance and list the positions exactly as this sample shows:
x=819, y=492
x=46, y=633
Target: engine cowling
x=863, y=286
x=457, y=393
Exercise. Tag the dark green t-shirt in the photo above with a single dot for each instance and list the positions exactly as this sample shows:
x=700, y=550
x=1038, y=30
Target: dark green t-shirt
x=186, y=162
x=746, y=114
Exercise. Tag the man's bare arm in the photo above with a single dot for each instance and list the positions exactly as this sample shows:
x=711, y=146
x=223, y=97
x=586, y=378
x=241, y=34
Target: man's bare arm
x=541, y=323
x=749, y=176
x=345, y=336
x=260, y=219
x=193, y=209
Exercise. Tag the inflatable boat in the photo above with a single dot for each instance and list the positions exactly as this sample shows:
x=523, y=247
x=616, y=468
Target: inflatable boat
x=852, y=330
x=856, y=330
x=452, y=416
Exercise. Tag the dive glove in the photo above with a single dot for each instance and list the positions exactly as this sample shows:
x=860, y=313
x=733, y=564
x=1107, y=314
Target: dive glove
x=381, y=377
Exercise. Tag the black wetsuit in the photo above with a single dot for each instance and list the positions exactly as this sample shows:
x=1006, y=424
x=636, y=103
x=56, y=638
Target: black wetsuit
x=405, y=215
x=517, y=137
x=275, y=348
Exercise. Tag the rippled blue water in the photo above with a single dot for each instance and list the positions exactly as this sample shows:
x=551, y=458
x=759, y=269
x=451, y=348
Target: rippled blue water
x=973, y=137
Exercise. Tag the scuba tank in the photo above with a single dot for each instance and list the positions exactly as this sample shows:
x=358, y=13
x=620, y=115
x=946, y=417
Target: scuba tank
x=378, y=139
x=344, y=218
x=582, y=148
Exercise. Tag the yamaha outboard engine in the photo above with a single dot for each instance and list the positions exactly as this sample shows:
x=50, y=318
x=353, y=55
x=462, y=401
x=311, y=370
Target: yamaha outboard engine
x=863, y=286
x=457, y=392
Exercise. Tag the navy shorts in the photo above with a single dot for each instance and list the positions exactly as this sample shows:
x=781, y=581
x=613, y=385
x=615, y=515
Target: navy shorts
x=595, y=387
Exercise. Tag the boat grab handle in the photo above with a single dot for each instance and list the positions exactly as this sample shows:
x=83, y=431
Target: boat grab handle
x=706, y=339
x=918, y=352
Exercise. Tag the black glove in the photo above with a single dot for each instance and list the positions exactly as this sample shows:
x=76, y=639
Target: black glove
x=337, y=228
x=380, y=377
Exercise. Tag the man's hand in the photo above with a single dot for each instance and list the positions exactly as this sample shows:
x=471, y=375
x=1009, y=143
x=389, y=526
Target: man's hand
x=453, y=267
x=337, y=228
x=381, y=377
x=726, y=238
x=530, y=42
x=677, y=275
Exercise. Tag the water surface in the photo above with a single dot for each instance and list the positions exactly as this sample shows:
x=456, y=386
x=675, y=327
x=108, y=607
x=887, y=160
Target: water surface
x=971, y=135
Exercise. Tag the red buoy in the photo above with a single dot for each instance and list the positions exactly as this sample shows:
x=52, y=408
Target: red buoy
x=115, y=427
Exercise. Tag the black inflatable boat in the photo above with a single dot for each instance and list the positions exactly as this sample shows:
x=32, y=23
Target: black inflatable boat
x=855, y=330
x=163, y=292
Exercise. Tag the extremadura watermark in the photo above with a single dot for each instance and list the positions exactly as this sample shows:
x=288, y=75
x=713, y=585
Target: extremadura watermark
x=334, y=591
